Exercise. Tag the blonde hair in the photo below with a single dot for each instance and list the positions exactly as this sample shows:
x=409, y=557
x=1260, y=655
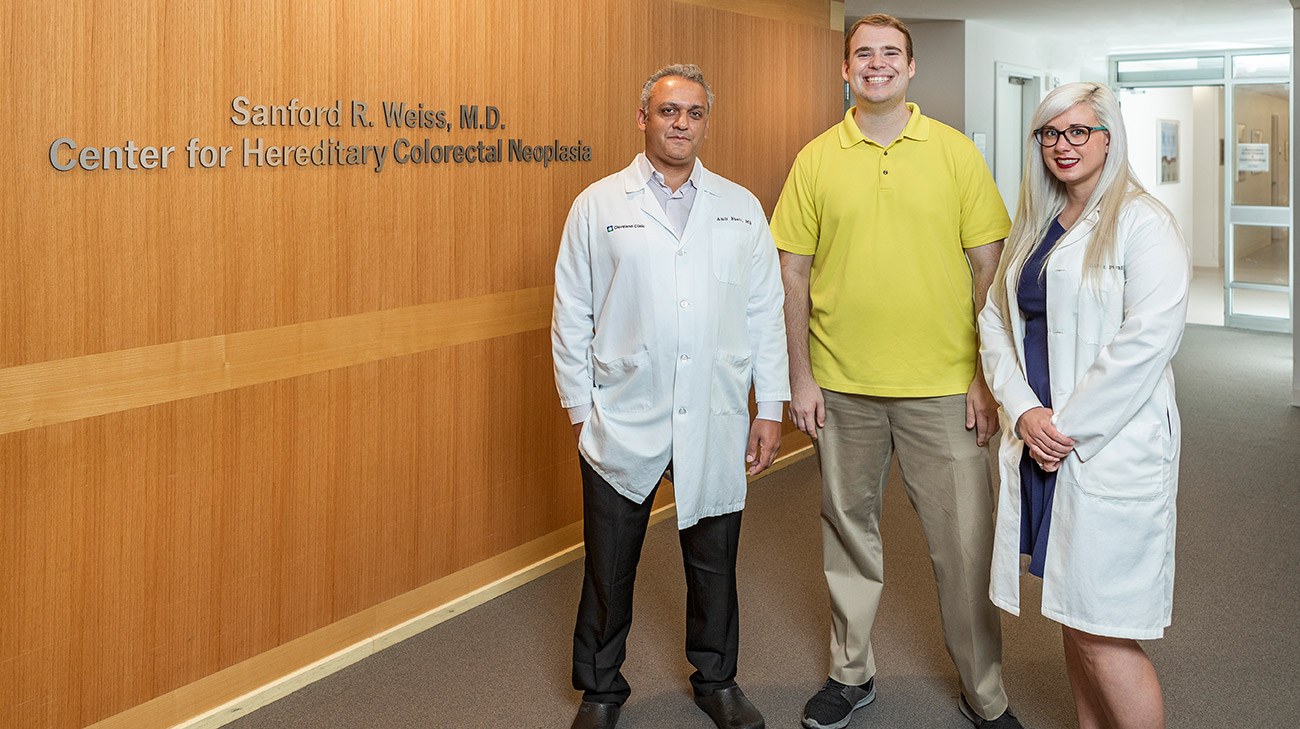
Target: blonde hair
x=1042, y=196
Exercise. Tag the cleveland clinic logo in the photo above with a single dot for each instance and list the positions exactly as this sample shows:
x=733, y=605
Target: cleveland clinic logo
x=612, y=228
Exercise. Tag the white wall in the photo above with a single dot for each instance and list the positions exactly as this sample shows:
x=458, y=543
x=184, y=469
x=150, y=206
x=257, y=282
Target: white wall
x=986, y=46
x=989, y=45
x=1142, y=109
x=939, y=85
x=1207, y=177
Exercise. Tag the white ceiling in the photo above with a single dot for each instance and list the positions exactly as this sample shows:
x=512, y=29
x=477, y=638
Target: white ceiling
x=1102, y=27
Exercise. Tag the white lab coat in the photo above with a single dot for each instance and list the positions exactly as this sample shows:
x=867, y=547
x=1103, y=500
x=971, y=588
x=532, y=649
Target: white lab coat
x=663, y=337
x=1109, y=566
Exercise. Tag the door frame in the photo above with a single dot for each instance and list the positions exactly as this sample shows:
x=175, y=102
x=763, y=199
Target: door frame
x=1207, y=73
x=1033, y=83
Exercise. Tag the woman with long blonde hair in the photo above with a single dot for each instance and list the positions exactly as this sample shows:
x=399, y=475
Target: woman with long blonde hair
x=1081, y=323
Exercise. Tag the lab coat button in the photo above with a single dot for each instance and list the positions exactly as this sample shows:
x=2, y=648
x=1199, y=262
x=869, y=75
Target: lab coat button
x=686, y=358
x=681, y=252
x=685, y=303
x=681, y=411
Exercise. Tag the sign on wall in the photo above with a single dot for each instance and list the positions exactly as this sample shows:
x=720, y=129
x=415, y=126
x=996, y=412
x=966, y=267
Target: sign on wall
x=67, y=154
x=1252, y=157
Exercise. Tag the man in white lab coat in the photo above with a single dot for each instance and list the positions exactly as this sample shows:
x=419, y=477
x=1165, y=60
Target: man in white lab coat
x=668, y=304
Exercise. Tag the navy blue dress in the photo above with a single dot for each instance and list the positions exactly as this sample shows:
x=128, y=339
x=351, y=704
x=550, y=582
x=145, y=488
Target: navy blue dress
x=1036, y=485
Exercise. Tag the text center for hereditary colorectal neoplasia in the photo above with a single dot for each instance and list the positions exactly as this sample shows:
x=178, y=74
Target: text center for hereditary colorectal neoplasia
x=66, y=154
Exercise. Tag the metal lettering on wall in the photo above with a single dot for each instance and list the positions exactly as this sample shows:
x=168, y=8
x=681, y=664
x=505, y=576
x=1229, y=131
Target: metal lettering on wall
x=68, y=154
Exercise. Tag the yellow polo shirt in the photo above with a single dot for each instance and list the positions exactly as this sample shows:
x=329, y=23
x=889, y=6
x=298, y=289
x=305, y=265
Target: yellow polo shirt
x=887, y=227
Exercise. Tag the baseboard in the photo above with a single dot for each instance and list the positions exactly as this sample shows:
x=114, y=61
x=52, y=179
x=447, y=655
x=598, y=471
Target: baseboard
x=231, y=693
x=282, y=687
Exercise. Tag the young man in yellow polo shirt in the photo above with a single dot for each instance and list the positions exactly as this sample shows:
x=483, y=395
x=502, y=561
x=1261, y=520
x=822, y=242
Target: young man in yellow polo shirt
x=890, y=228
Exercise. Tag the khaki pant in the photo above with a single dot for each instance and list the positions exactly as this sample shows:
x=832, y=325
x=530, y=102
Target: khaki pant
x=947, y=478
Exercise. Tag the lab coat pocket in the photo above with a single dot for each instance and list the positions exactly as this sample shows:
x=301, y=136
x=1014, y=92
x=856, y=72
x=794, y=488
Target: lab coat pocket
x=727, y=257
x=730, y=391
x=624, y=385
x=1131, y=467
x=1101, y=310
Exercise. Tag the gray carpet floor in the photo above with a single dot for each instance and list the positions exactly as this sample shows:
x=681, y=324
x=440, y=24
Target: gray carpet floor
x=1230, y=659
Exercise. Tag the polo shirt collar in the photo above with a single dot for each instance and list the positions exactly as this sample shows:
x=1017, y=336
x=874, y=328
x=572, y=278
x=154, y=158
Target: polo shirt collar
x=918, y=127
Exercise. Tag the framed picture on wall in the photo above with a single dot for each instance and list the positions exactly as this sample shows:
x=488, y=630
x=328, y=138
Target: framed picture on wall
x=1168, y=151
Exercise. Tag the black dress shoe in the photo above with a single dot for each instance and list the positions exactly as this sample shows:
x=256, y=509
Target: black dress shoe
x=729, y=709
x=592, y=715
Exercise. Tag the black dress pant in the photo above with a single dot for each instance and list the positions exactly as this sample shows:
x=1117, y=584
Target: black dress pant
x=614, y=530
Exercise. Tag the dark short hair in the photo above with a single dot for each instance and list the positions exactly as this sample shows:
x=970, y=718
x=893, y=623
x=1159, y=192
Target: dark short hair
x=879, y=20
x=688, y=71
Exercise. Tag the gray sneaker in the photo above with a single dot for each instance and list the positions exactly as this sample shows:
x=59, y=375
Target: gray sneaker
x=1006, y=721
x=832, y=707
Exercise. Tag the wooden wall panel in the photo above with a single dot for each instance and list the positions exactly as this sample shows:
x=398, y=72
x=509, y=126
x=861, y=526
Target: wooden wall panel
x=116, y=259
x=240, y=405
x=294, y=504
x=808, y=12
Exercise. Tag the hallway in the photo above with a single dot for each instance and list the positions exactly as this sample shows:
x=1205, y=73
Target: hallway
x=1229, y=660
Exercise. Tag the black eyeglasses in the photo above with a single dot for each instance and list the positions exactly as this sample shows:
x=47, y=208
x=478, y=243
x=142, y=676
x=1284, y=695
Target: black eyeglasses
x=1075, y=134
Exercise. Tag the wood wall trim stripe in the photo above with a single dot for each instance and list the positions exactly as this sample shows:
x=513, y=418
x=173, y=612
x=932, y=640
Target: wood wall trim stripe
x=229, y=694
x=45, y=393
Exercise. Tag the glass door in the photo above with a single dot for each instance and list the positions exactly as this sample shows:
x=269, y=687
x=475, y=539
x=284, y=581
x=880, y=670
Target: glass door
x=1257, y=236
x=1255, y=154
